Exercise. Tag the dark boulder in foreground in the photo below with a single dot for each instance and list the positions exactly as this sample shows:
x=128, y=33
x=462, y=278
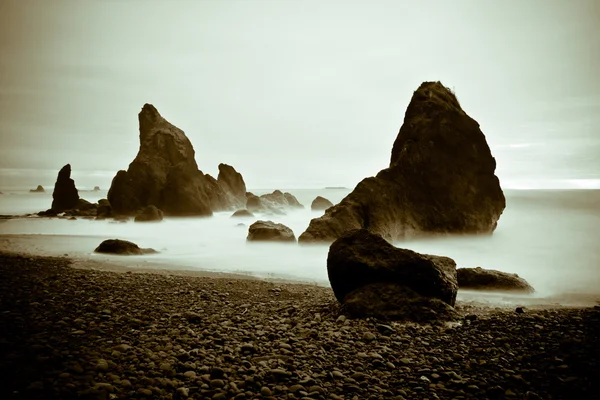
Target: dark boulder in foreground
x=38, y=189
x=242, y=214
x=149, y=214
x=320, y=203
x=122, y=247
x=270, y=231
x=65, y=195
x=165, y=174
x=491, y=280
x=395, y=302
x=440, y=180
x=360, y=258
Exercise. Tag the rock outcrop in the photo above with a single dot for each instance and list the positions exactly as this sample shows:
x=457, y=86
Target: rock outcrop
x=165, y=174
x=359, y=259
x=270, y=231
x=491, y=280
x=65, y=195
x=38, y=189
x=149, y=214
x=96, y=188
x=233, y=184
x=104, y=209
x=320, y=203
x=122, y=248
x=440, y=180
x=275, y=202
x=242, y=214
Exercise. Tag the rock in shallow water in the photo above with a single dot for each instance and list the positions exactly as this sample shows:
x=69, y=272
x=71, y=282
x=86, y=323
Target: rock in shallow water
x=121, y=247
x=491, y=280
x=440, y=179
x=270, y=231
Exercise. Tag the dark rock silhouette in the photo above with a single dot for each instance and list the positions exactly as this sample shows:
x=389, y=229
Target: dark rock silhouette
x=440, y=179
x=65, y=195
x=96, y=188
x=149, y=214
x=38, y=189
x=122, y=247
x=491, y=280
x=233, y=184
x=165, y=174
x=390, y=301
x=270, y=231
x=360, y=258
x=320, y=203
x=242, y=214
x=104, y=209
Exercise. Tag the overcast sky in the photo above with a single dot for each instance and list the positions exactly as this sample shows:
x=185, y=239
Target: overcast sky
x=297, y=93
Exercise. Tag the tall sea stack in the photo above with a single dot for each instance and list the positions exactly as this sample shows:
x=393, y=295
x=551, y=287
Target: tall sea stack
x=65, y=195
x=440, y=179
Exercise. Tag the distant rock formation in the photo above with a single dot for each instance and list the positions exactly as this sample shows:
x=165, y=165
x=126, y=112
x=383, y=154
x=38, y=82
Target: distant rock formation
x=440, y=179
x=270, y=231
x=275, y=202
x=96, y=188
x=242, y=214
x=165, y=174
x=38, y=189
x=378, y=279
x=320, y=203
x=65, y=195
x=149, y=214
x=233, y=184
x=491, y=280
x=122, y=247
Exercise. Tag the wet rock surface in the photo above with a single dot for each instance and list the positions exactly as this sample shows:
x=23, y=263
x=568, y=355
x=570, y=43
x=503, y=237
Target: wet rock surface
x=491, y=280
x=67, y=333
x=270, y=231
x=122, y=248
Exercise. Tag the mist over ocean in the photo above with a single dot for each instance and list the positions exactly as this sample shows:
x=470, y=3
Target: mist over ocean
x=549, y=237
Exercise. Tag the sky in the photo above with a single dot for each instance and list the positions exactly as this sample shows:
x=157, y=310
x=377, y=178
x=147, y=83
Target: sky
x=296, y=93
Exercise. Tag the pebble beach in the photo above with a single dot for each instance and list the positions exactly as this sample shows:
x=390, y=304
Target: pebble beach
x=72, y=333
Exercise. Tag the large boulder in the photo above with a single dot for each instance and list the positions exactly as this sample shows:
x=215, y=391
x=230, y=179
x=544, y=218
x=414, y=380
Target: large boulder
x=270, y=231
x=104, y=209
x=440, y=180
x=320, y=203
x=121, y=247
x=393, y=301
x=360, y=258
x=165, y=174
x=38, y=189
x=65, y=195
x=491, y=280
x=253, y=202
x=149, y=214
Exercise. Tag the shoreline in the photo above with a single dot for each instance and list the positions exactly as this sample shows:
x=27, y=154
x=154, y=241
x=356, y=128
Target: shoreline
x=67, y=332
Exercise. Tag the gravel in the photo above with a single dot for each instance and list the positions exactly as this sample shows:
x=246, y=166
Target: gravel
x=73, y=333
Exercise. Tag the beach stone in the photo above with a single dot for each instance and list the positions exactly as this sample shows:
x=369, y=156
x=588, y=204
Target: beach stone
x=121, y=247
x=102, y=365
x=360, y=258
x=270, y=231
x=491, y=280
x=149, y=214
x=320, y=203
x=440, y=179
x=65, y=195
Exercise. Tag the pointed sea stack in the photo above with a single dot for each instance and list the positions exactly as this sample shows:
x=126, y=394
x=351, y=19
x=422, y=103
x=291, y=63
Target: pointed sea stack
x=440, y=180
x=165, y=174
x=65, y=195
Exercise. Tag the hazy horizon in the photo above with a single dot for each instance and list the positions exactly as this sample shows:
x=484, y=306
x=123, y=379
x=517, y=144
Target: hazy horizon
x=297, y=94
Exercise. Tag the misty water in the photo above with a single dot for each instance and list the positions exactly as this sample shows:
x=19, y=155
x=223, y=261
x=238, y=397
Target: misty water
x=549, y=237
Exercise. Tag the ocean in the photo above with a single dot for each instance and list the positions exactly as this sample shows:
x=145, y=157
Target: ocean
x=549, y=237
